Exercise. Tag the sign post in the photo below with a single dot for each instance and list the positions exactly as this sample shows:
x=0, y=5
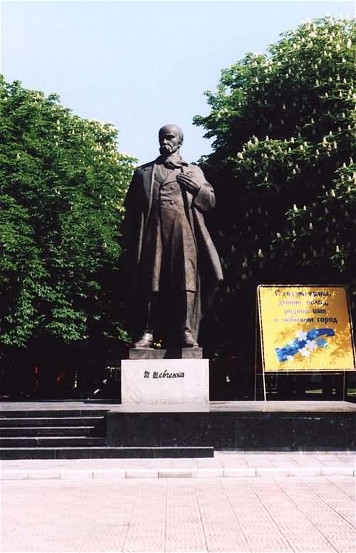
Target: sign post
x=305, y=329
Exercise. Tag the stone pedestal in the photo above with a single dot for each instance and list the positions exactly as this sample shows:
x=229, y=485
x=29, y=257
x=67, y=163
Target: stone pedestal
x=177, y=353
x=165, y=381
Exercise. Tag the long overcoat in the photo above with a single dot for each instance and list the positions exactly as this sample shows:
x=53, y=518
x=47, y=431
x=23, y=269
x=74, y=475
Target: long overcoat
x=138, y=206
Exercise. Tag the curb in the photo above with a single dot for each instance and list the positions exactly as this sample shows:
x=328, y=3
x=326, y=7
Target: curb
x=119, y=474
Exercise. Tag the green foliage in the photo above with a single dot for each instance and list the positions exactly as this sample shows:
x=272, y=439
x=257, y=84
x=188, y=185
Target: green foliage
x=284, y=129
x=62, y=184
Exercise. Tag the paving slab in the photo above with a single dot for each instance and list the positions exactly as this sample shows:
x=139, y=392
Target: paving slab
x=171, y=515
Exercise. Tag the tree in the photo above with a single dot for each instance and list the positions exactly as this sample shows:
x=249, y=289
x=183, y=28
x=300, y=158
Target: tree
x=62, y=183
x=282, y=166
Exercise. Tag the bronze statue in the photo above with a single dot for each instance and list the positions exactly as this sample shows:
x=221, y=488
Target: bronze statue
x=172, y=265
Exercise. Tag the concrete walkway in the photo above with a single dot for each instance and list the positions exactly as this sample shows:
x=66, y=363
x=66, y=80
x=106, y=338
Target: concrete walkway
x=270, y=514
x=236, y=502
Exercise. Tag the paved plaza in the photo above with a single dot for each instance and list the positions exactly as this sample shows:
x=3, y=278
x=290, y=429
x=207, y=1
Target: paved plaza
x=236, y=502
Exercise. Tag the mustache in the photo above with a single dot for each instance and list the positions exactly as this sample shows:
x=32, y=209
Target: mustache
x=165, y=149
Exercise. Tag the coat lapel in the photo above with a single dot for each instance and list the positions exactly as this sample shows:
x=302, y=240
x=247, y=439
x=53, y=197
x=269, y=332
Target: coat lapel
x=147, y=176
x=147, y=179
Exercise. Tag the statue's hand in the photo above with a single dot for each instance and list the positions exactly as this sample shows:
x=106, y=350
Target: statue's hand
x=187, y=180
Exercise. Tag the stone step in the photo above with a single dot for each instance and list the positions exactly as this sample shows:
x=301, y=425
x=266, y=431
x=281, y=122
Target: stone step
x=52, y=442
x=59, y=431
x=42, y=433
x=56, y=413
x=105, y=452
x=49, y=421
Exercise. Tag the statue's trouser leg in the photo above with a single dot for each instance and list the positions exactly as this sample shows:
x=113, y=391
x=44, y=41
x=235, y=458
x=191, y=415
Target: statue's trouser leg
x=151, y=312
x=185, y=308
x=177, y=315
x=148, y=321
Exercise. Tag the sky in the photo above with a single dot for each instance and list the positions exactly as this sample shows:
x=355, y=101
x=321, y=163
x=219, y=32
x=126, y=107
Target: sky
x=142, y=64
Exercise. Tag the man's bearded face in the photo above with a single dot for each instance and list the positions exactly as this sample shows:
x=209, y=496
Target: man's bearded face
x=169, y=140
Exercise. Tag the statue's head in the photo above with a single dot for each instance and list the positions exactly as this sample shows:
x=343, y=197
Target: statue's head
x=170, y=139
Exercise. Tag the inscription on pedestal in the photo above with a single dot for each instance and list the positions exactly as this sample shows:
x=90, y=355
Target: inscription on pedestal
x=165, y=381
x=164, y=374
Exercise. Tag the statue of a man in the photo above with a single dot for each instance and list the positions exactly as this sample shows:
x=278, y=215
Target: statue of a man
x=172, y=265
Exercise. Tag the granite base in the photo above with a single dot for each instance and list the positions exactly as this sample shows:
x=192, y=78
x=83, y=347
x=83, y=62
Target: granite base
x=288, y=426
x=165, y=381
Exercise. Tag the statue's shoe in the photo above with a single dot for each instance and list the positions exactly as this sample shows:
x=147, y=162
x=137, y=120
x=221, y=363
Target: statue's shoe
x=188, y=340
x=146, y=341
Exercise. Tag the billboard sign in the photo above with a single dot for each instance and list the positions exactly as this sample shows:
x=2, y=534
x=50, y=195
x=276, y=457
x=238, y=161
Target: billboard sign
x=305, y=328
